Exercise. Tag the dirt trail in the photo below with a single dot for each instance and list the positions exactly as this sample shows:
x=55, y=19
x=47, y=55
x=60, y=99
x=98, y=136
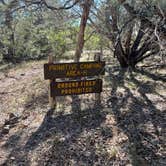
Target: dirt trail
x=18, y=86
x=20, y=75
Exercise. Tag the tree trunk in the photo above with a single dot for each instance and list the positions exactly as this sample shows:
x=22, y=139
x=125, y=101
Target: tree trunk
x=84, y=18
x=125, y=60
x=9, y=56
x=119, y=53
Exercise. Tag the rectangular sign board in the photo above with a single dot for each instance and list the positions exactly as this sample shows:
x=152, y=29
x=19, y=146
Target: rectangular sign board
x=76, y=87
x=73, y=70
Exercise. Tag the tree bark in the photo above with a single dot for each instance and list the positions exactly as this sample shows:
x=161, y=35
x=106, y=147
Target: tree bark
x=119, y=53
x=80, y=42
x=9, y=56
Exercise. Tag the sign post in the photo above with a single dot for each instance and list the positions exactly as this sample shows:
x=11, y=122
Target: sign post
x=97, y=58
x=52, y=100
x=76, y=71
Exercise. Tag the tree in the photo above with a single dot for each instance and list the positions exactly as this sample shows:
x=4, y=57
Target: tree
x=27, y=26
x=10, y=27
x=86, y=6
x=135, y=28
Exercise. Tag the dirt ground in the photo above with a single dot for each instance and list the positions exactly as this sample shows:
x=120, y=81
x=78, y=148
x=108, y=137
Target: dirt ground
x=129, y=129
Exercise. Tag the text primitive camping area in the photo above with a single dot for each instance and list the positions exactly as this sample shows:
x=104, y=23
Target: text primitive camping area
x=74, y=70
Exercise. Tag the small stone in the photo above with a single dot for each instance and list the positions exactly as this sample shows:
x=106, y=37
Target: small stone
x=11, y=115
x=7, y=122
x=7, y=127
x=12, y=158
x=5, y=131
x=87, y=154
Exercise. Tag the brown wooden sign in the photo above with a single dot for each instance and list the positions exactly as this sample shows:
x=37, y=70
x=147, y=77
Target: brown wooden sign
x=76, y=87
x=73, y=70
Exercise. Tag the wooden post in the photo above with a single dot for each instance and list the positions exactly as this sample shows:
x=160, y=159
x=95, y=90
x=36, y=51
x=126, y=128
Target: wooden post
x=97, y=58
x=52, y=101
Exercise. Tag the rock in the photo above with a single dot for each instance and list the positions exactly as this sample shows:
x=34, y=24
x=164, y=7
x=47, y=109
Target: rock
x=87, y=154
x=6, y=129
x=11, y=115
x=7, y=122
x=12, y=158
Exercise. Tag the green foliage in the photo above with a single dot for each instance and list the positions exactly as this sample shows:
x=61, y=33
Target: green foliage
x=94, y=41
x=34, y=34
x=57, y=41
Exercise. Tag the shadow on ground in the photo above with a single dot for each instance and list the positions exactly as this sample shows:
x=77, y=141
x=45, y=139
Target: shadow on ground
x=78, y=137
x=138, y=116
x=68, y=138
